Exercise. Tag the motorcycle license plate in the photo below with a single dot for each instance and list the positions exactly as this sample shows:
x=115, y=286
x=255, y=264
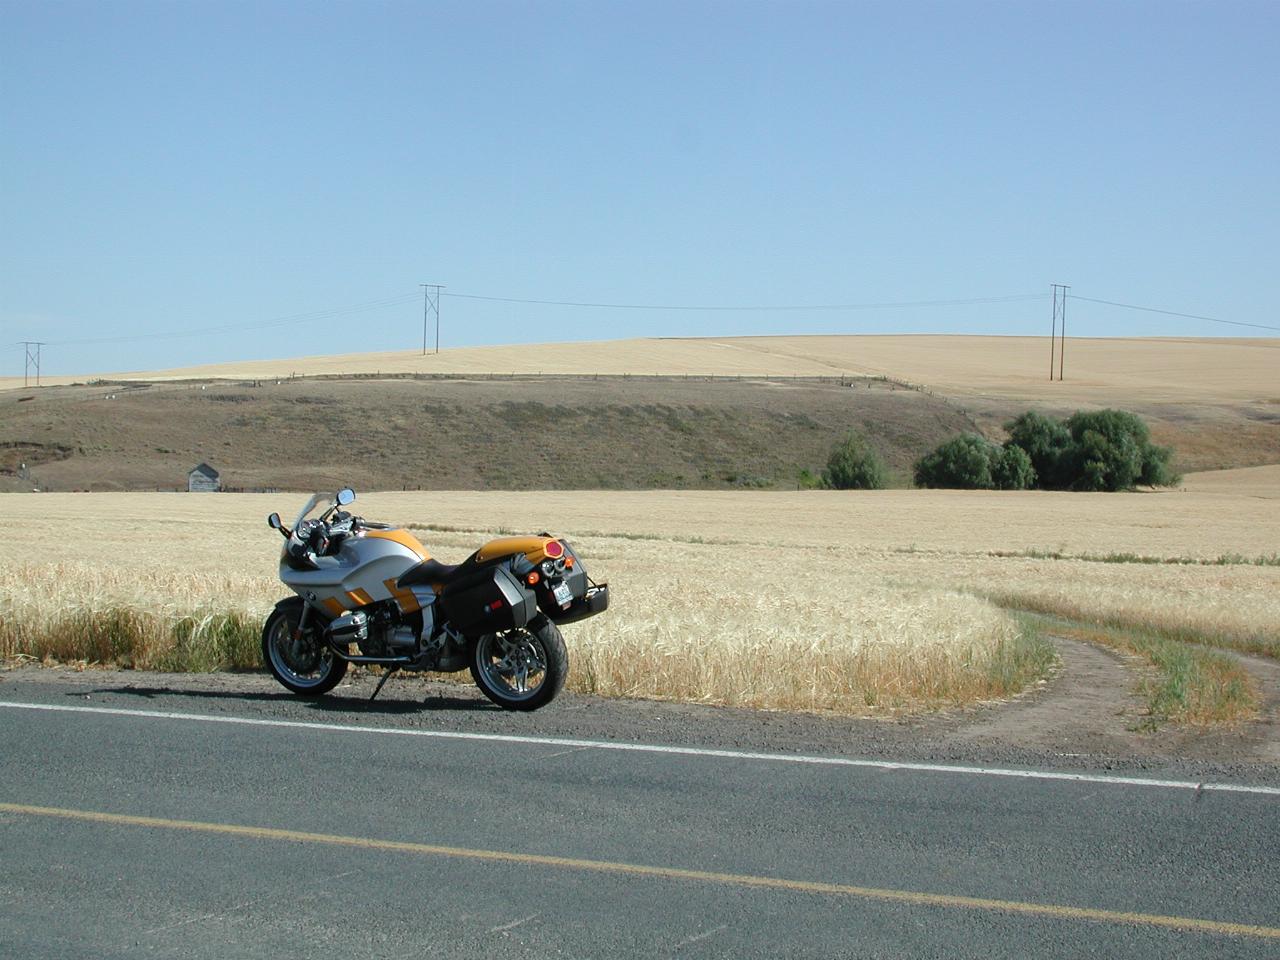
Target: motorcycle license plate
x=563, y=595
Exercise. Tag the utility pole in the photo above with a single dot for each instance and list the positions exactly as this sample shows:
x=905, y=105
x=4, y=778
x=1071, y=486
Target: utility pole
x=1059, y=311
x=1062, y=346
x=430, y=305
x=32, y=361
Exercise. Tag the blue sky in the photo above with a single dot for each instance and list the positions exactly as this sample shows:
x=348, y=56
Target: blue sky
x=229, y=180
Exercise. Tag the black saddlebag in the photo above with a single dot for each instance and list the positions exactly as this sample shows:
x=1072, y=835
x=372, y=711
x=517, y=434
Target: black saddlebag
x=490, y=600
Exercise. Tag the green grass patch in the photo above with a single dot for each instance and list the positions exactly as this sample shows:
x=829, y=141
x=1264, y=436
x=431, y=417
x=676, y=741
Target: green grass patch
x=1223, y=560
x=1027, y=658
x=129, y=638
x=1262, y=641
x=1189, y=683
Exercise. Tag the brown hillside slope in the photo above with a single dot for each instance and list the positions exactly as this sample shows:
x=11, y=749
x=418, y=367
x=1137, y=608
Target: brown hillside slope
x=627, y=413
x=457, y=434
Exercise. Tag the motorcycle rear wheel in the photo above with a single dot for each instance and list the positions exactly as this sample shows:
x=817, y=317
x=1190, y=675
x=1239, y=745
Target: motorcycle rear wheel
x=301, y=662
x=521, y=669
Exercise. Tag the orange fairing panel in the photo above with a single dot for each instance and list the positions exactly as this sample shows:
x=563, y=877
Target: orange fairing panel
x=402, y=537
x=404, y=598
x=534, y=547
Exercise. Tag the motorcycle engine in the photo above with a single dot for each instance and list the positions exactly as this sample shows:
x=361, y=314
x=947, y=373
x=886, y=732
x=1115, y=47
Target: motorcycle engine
x=401, y=637
x=389, y=635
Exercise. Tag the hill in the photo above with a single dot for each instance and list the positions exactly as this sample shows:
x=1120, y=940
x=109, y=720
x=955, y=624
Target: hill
x=624, y=414
x=460, y=434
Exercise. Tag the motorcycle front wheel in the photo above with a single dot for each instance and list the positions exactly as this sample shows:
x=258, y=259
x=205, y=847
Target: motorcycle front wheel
x=300, y=660
x=521, y=669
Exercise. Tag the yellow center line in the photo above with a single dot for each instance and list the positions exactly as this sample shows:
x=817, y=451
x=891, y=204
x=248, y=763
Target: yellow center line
x=1056, y=911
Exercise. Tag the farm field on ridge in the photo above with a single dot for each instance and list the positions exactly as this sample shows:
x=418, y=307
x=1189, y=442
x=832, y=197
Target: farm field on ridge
x=1100, y=370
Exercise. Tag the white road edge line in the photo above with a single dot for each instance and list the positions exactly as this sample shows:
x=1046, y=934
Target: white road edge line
x=655, y=748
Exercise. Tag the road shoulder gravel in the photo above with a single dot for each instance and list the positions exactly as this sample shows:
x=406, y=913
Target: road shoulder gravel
x=1086, y=717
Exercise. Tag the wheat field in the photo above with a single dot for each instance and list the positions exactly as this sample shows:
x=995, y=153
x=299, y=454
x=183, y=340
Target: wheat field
x=690, y=622
x=852, y=602
x=1103, y=371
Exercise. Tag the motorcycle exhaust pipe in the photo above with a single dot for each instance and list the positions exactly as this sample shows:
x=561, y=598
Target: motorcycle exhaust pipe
x=375, y=661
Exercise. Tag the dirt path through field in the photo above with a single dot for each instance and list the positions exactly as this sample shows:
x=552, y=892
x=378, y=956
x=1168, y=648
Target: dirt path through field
x=1089, y=706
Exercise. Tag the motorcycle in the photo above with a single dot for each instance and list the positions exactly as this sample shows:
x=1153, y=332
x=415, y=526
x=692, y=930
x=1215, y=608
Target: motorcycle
x=370, y=593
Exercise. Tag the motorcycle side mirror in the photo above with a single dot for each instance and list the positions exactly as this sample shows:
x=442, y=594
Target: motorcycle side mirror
x=273, y=521
x=346, y=495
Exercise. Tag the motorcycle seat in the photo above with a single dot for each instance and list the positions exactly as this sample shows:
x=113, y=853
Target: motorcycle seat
x=428, y=573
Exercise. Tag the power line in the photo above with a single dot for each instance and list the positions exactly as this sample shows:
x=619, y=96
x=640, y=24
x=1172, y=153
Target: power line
x=32, y=360
x=335, y=313
x=756, y=308
x=331, y=314
x=1171, y=313
x=430, y=304
x=399, y=300
x=1059, y=313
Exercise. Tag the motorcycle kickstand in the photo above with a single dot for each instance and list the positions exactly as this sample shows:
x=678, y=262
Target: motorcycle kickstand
x=385, y=677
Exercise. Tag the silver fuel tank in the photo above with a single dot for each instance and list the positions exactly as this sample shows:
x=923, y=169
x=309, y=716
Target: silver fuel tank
x=364, y=571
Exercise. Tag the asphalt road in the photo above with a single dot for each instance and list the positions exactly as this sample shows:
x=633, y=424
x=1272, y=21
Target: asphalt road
x=124, y=835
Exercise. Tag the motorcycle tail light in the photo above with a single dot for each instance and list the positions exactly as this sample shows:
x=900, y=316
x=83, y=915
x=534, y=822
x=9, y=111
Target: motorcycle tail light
x=554, y=549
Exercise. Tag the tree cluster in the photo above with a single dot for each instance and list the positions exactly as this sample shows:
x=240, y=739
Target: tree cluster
x=1101, y=450
x=853, y=465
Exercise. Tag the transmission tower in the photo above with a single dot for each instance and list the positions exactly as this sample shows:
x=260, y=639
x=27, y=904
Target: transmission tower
x=32, y=361
x=430, y=305
x=1059, y=313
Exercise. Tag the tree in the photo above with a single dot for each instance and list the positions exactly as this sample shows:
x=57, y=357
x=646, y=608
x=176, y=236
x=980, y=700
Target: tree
x=1047, y=443
x=1097, y=450
x=1012, y=469
x=854, y=465
x=807, y=480
x=963, y=463
x=1112, y=450
x=1157, y=471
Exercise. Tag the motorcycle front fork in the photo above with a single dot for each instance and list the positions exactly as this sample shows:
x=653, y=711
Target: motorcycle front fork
x=302, y=622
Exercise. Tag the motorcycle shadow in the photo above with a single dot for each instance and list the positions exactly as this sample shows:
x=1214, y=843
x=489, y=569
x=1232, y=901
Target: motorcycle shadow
x=330, y=703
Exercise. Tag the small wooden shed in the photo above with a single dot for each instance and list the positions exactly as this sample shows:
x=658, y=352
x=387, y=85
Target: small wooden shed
x=203, y=479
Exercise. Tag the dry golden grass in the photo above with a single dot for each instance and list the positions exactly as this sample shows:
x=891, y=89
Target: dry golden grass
x=824, y=600
x=1259, y=483
x=693, y=622
x=1191, y=683
x=1235, y=606
x=702, y=623
x=1230, y=512
x=1099, y=371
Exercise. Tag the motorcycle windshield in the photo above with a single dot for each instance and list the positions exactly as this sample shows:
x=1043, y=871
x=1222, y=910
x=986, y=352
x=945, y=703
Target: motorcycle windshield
x=327, y=499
